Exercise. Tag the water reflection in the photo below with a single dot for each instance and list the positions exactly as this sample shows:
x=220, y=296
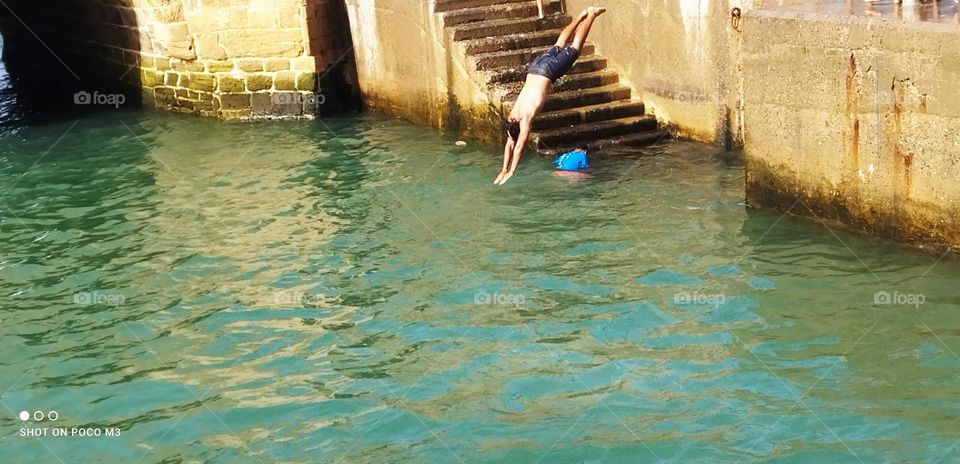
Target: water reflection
x=247, y=277
x=9, y=118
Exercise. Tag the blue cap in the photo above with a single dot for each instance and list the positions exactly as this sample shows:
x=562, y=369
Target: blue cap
x=572, y=161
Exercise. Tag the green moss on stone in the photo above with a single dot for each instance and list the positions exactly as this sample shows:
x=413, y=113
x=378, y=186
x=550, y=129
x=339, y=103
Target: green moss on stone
x=230, y=84
x=285, y=80
x=151, y=78
x=306, y=81
x=257, y=82
x=219, y=66
x=202, y=82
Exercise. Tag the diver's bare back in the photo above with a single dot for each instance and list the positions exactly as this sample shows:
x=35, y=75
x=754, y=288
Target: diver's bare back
x=531, y=98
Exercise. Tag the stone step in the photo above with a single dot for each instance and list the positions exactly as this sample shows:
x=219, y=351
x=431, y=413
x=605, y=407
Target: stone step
x=451, y=5
x=587, y=114
x=586, y=64
x=526, y=9
x=511, y=42
x=566, y=83
x=639, y=139
x=586, y=97
x=587, y=106
x=585, y=133
x=580, y=98
x=517, y=57
x=501, y=27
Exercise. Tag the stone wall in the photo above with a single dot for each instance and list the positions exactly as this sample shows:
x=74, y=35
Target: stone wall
x=226, y=58
x=684, y=59
x=409, y=68
x=855, y=118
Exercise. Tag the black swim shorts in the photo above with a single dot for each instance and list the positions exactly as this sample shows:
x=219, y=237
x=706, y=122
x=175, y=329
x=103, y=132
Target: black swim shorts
x=554, y=63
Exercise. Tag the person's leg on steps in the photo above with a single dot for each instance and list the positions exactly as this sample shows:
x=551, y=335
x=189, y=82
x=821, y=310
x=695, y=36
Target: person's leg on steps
x=540, y=8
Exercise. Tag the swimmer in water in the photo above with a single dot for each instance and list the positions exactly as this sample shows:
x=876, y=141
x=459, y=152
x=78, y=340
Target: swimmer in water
x=569, y=164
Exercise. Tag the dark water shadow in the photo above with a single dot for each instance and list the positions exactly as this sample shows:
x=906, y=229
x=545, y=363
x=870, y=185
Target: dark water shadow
x=69, y=61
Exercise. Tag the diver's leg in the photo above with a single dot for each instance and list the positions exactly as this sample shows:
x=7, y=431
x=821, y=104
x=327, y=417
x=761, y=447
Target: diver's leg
x=583, y=29
x=570, y=30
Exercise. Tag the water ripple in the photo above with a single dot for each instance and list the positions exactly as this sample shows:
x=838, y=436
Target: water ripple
x=239, y=292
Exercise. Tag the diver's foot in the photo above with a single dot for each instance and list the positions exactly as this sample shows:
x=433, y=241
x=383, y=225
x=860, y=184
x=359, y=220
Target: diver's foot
x=596, y=10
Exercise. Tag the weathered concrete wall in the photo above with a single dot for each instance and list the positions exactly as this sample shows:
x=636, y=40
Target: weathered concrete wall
x=684, y=59
x=409, y=68
x=857, y=119
x=225, y=58
x=664, y=49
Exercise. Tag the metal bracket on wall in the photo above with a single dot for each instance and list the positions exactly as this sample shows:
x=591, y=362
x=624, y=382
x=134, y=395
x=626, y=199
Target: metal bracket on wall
x=735, y=19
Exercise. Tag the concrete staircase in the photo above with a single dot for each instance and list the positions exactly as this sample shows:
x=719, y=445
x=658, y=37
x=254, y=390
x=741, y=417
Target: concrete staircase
x=589, y=105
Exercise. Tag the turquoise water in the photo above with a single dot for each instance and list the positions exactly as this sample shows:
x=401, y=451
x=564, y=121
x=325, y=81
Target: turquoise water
x=355, y=290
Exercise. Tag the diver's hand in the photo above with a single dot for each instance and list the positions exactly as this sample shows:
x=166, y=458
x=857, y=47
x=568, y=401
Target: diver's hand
x=504, y=178
x=499, y=177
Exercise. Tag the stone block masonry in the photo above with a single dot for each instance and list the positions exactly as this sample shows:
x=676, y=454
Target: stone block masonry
x=242, y=59
x=231, y=59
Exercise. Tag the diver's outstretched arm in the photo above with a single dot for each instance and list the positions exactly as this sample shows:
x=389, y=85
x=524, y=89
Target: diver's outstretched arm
x=518, y=149
x=507, y=151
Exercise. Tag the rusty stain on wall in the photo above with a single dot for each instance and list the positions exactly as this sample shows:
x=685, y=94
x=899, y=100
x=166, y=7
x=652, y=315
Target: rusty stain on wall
x=853, y=97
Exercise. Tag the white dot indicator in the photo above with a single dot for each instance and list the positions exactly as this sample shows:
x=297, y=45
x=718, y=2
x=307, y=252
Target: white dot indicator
x=24, y=415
